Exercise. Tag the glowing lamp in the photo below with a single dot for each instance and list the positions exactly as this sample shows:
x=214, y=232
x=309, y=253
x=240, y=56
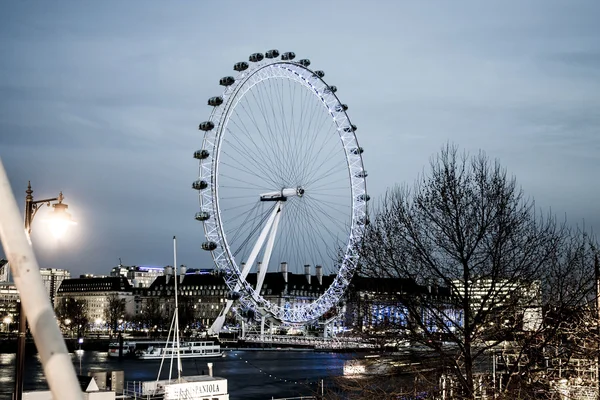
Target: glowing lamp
x=60, y=220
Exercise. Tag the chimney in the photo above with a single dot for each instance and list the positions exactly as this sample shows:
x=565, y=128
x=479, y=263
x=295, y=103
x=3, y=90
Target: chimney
x=182, y=271
x=210, y=372
x=168, y=273
x=319, y=272
x=284, y=271
x=307, y=273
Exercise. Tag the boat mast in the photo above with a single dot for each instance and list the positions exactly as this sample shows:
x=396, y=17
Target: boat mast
x=176, y=338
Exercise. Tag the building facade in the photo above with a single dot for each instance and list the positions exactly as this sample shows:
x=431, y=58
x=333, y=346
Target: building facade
x=505, y=300
x=96, y=294
x=52, y=279
x=9, y=307
x=140, y=276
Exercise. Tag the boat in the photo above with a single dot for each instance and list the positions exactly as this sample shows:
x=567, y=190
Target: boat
x=184, y=350
x=196, y=387
x=186, y=387
x=128, y=349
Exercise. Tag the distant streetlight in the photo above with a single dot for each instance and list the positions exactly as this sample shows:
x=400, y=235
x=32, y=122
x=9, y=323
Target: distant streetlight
x=59, y=222
x=7, y=320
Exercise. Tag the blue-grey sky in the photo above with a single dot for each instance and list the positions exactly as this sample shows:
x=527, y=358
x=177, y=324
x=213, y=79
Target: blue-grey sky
x=102, y=100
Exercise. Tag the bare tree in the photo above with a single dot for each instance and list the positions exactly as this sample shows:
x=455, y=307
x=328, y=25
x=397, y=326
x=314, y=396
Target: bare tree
x=114, y=311
x=187, y=313
x=72, y=315
x=467, y=226
x=153, y=315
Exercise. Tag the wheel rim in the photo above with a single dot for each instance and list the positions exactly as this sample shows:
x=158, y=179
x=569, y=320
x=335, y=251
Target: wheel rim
x=280, y=126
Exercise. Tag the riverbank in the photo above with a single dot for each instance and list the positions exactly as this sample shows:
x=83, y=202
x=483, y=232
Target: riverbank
x=9, y=345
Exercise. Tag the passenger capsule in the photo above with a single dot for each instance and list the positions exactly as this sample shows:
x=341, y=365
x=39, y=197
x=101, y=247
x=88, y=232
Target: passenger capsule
x=227, y=81
x=341, y=107
x=290, y=55
x=256, y=57
x=350, y=128
x=331, y=89
x=209, y=246
x=202, y=216
x=206, y=126
x=272, y=53
x=363, y=197
x=232, y=295
x=199, y=184
x=361, y=174
x=320, y=73
x=215, y=101
x=304, y=62
x=358, y=150
x=201, y=154
x=241, y=66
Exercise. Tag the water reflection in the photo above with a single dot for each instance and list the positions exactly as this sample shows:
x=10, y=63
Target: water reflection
x=292, y=373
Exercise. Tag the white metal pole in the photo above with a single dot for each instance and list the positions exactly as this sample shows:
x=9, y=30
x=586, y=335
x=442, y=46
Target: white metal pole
x=56, y=361
x=268, y=250
x=179, y=367
x=218, y=324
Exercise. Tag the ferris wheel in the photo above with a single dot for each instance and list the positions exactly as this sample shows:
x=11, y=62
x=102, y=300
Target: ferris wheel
x=281, y=186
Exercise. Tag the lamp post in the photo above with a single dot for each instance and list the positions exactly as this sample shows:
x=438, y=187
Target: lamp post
x=60, y=221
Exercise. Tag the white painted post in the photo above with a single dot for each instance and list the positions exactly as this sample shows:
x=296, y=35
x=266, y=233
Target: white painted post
x=56, y=361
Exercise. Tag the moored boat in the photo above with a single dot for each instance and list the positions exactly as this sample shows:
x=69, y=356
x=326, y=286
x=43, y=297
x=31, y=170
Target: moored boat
x=186, y=387
x=197, y=387
x=128, y=349
x=184, y=350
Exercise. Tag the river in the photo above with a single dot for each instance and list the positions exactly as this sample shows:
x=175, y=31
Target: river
x=251, y=375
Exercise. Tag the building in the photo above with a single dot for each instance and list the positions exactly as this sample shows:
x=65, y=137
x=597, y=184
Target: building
x=52, y=278
x=380, y=304
x=140, y=276
x=9, y=307
x=95, y=293
x=504, y=300
x=4, y=270
x=202, y=294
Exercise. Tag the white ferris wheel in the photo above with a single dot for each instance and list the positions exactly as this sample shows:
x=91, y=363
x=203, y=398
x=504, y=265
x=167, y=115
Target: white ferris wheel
x=281, y=184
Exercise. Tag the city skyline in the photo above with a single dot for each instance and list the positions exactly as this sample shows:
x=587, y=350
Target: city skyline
x=102, y=101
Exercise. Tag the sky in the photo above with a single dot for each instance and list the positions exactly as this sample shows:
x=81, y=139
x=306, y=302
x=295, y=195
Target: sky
x=101, y=100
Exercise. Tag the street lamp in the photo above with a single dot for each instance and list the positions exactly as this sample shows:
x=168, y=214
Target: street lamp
x=59, y=222
x=7, y=320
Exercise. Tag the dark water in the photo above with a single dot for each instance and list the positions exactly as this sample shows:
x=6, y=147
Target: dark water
x=292, y=373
